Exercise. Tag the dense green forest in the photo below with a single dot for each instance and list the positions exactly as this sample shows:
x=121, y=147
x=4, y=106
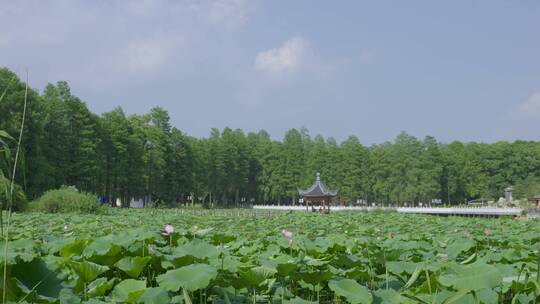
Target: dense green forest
x=120, y=155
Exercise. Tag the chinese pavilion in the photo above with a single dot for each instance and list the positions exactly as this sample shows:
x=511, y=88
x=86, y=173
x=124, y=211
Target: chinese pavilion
x=317, y=193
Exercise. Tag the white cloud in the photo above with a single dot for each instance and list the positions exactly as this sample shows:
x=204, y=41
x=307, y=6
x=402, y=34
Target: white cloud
x=147, y=54
x=287, y=58
x=136, y=59
x=36, y=23
x=520, y=122
x=222, y=14
x=531, y=107
x=120, y=41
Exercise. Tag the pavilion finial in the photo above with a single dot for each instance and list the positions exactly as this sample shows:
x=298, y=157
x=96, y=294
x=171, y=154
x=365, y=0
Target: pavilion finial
x=318, y=177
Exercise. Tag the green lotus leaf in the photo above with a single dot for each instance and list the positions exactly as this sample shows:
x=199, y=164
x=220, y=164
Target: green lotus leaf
x=459, y=246
x=192, y=277
x=384, y=296
x=133, y=238
x=285, y=265
x=129, y=290
x=65, y=247
x=524, y=298
x=197, y=249
x=201, y=232
x=22, y=249
x=100, y=286
x=351, y=290
x=463, y=296
x=270, y=251
x=73, y=248
x=222, y=238
x=401, y=267
x=155, y=295
x=229, y=263
x=474, y=276
x=133, y=265
x=67, y=296
x=311, y=287
x=313, y=277
x=315, y=262
x=103, y=246
x=487, y=296
x=255, y=276
x=247, y=250
x=89, y=271
x=171, y=261
x=444, y=296
x=39, y=276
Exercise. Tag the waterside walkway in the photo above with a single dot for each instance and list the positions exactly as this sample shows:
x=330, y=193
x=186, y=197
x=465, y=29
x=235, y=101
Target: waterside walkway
x=464, y=211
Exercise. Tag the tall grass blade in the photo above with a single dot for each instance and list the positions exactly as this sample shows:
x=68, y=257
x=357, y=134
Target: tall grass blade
x=12, y=186
x=17, y=151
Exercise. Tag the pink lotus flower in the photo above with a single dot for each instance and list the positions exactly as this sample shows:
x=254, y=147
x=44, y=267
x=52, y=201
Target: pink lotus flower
x=286, y=233
x=487, y=232
x=167, y=230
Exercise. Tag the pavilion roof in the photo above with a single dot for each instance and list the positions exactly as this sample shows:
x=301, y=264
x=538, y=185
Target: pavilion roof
x=317, y=189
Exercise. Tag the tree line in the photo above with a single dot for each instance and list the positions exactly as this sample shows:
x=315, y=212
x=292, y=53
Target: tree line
x=119, y=155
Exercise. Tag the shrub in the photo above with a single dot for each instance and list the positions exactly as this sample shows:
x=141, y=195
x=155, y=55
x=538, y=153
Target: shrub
x=66, y=199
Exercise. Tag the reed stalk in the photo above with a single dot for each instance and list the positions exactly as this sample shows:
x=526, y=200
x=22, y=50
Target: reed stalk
x=12, y=186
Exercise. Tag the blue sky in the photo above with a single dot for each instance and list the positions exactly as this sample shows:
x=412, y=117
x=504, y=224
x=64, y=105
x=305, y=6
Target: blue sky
x=457, y=70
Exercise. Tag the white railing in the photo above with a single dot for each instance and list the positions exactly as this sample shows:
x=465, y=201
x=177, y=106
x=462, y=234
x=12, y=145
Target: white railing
x=458, y=210
x=462, y=210
x=333, y=208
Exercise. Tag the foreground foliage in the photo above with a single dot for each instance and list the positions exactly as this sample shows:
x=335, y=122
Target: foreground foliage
x=236, y=256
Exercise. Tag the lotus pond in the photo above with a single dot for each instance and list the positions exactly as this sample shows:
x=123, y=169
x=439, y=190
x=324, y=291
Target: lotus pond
x=234, y=256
